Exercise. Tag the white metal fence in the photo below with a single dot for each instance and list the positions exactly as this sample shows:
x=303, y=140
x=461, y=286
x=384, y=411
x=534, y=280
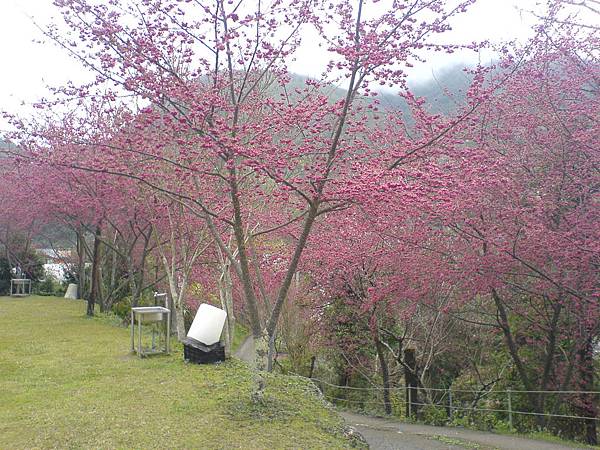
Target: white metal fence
x=507, y=404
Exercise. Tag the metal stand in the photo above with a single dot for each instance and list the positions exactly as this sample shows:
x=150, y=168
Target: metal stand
x=164, y=299
x=149, y=314
x=17, y=287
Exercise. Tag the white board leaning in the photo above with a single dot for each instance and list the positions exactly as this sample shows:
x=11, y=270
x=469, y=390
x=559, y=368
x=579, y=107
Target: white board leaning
x=208, y=324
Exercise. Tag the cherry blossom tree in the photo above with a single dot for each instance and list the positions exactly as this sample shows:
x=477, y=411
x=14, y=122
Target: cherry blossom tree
x=527, y=223
x=224, y=117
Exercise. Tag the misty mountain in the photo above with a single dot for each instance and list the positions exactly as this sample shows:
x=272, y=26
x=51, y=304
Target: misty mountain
x=444, y=92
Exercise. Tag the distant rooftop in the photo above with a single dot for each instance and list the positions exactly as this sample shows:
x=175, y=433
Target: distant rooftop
x=6, y=145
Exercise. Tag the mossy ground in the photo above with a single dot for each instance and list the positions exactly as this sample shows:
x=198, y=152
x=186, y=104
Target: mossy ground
x=67, y=381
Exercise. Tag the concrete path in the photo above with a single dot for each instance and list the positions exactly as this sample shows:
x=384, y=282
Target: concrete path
x=245, y=351
x=388, y=434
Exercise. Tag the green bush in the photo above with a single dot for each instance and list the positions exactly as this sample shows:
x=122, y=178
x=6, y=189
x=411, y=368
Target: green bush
x=479, y=420
x=45, y=287
x=460, y=421
x=122, y=307
x=398, y=402
x=49, y=286
x=503, y=426
x=434, y=415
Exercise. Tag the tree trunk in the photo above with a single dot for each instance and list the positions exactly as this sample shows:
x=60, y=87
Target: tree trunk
x=287, y=282
x=100, y=299
x=247, y=285
x=542, y=421
x=343, y=380
x=180, y=324
x=226, y=297
x=171, y=306
x=175, y=299
x=109, y=299
x=589, y=405
x=80, y=264
x=313, y=360
x=142, y=268
x=271, y=353
x=412, y=382
x=132, y=282
x=95, y=288
x=259, y=279
x=514, y=353
x=385, y=375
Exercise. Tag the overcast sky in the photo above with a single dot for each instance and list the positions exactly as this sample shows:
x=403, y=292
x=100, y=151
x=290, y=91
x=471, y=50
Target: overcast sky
x=26, y=68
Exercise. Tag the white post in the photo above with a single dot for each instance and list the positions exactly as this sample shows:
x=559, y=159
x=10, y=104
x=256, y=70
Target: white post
x=510, y=418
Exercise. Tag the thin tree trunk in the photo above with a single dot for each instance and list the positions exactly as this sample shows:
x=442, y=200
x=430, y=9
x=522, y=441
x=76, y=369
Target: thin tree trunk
x=6, y=249
x=113, y=275
x=238, y=230
x=175, y=293
x=514, y=351
x=180, y=324
x=411, y=381
x=589, y=402
x=145, y=252
x=176, y=310
x=132, y=282
x=289, y=276
x=385, y=375
x=548, y=363
x=95, y=286
x=259, y=278
x=80, y=264
x=226, y=297
x=313, y=360
x=100, y=299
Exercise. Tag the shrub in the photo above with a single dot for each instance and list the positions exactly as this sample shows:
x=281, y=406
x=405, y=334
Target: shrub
x=434, y=415
x=122, y=307
x=45, y=286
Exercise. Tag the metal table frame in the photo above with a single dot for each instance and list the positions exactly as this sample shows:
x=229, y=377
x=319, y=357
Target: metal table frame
x=15, y=283
x=149, y=314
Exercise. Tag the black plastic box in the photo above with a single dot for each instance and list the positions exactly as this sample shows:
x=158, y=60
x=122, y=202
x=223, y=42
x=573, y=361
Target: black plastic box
x=196, y=352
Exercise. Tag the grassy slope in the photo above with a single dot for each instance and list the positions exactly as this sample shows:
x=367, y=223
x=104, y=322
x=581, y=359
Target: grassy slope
x=69, y=382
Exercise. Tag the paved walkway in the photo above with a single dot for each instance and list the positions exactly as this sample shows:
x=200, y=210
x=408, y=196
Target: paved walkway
x=245, y=351
x=388, y=434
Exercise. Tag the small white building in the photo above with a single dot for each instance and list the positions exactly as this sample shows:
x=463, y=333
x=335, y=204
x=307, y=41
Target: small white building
x=56, y=262
x=56, y=271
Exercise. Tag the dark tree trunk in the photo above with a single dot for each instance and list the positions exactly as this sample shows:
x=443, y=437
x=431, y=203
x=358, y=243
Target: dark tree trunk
x=107, y=300
x=343, y=381
x=541, y=421
x=589, y=406
x=412, y=382
x=513, y=349
x=101, y=296
x=240, y=237
x=313, y=359
x=95, y=288
x=385, y=375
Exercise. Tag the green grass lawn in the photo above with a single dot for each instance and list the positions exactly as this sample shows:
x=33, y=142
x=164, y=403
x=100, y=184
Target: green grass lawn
x=67, y=381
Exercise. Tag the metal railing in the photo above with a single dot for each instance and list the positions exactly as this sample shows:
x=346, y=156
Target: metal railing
x=505, y=403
